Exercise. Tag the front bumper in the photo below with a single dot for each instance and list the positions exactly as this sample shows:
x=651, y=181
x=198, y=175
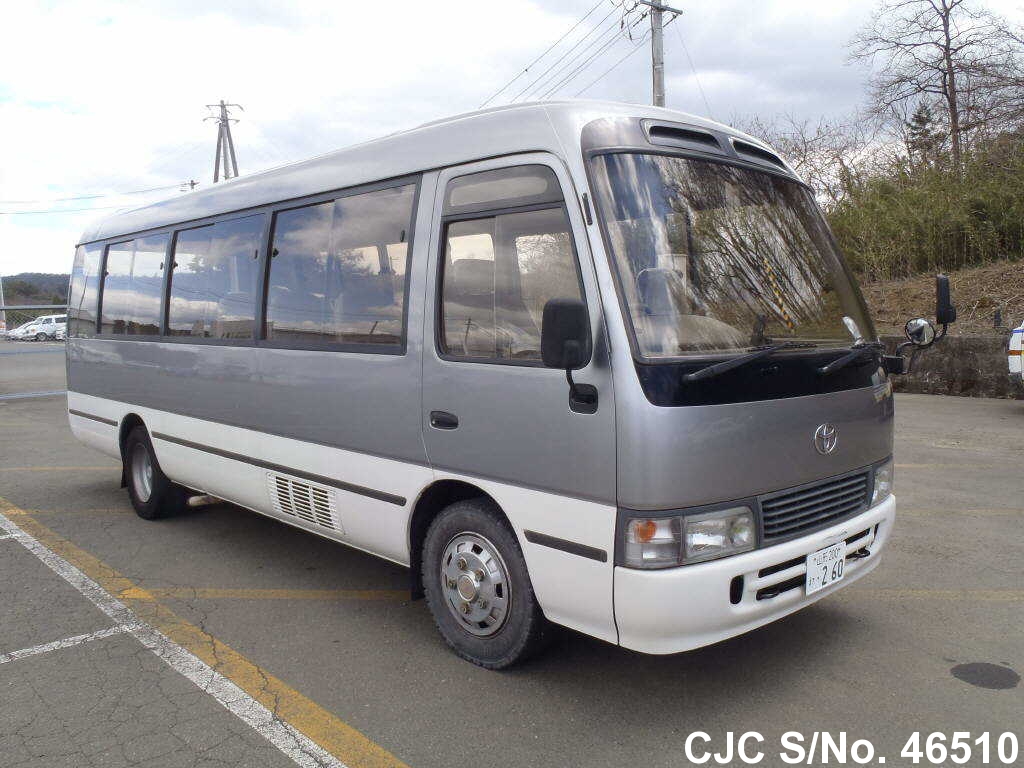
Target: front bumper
x=679, y=609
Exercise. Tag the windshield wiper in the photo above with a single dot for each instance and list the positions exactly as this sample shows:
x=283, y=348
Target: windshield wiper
x=715, y=369
x=854, y=354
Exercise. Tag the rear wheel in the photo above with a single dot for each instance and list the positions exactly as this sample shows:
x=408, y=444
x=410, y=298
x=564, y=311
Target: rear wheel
x=152, y=494
x=40, y=336
x=478, y=587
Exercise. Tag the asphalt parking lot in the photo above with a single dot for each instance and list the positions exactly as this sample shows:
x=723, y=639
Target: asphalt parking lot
x=256, y=617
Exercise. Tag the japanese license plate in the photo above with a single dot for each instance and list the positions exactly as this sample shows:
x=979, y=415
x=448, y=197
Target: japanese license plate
x=825, y=567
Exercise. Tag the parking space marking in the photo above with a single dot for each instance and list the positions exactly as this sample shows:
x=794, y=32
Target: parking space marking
x=67, y=642
x=213, y=593
x=30, y=395
x=300, y=728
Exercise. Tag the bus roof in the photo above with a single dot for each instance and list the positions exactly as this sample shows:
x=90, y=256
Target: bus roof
x=552, y=126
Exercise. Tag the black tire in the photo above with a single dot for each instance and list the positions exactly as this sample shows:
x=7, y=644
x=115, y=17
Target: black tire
x=163, y=497
x=522, y=629
x=40, y=336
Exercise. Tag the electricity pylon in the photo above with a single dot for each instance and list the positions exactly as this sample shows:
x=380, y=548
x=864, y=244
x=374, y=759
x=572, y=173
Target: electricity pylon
x=225, y=146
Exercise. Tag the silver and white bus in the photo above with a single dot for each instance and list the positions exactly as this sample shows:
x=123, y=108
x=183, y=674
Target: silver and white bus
x=586, y=363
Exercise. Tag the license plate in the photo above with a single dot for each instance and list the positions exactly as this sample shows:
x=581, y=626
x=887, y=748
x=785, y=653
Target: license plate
x=826, y=566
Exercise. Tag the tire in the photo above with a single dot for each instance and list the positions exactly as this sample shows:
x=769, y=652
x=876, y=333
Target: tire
x=152, y=494
x=40, y=336
x=494, y=621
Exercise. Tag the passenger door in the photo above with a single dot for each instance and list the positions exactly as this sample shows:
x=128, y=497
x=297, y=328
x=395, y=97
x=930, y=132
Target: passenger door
x=508, y=236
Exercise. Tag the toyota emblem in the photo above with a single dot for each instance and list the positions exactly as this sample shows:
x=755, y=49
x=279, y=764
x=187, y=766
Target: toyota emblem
x=826, y=437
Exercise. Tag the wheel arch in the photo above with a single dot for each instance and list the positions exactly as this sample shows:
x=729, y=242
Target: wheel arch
x=431, y=502
x=128, y=423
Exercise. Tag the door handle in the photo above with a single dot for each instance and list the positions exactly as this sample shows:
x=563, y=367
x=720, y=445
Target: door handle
x=443, y=420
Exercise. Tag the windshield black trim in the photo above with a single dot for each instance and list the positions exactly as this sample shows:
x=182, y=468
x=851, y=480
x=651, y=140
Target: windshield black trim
x=792, y=373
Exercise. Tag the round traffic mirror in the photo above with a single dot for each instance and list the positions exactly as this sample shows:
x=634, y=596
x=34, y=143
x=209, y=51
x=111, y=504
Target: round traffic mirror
x=920, y=332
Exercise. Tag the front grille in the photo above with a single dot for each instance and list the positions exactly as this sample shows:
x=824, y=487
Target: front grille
x=809, y=508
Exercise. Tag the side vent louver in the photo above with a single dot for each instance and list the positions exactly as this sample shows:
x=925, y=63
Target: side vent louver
x=750, y=150
x=312, y=503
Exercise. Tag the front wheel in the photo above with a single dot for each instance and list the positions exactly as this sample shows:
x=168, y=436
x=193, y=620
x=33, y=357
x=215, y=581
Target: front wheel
x=152, y=494
x=41, y=336
x=478, y=587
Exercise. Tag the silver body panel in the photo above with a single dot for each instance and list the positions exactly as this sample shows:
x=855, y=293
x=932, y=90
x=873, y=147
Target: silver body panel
x=631, y=452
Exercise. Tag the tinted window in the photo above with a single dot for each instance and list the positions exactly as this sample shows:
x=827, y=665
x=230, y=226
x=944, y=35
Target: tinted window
x=498, y=274
x=502, y=188
x=83, y=291
x=214, y=282
x=132, y=286
x=337, y=273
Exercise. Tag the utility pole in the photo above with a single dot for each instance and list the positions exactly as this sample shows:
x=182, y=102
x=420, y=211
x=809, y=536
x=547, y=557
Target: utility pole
x=658, y=49
x=3, y=314
x=225, y=145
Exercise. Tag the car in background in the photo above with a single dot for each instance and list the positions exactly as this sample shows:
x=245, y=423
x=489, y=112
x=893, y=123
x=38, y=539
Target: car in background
x=61, y=333
x=1013, y=355
x=19, y=333
x=44, y=328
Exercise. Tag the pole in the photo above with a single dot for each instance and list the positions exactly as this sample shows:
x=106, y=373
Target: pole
x=225, y=158
x=3, y=314
x=658, y=7
x=657, y=56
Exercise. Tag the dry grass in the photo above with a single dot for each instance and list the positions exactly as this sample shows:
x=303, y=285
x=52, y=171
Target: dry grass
x=977, y=293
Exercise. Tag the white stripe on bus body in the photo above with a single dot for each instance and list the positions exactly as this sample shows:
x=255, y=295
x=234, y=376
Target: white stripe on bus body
x=378, y=527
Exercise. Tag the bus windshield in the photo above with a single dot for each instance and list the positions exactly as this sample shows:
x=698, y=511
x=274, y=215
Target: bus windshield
x=715, y=259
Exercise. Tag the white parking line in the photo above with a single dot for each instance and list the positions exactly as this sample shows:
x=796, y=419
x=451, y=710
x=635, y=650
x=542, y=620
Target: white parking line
x=302, y=750
x=67, y=642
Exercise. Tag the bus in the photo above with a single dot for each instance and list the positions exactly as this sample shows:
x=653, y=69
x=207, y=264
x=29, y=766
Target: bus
x=572, y=363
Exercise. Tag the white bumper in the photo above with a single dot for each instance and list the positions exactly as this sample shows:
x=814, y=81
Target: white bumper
x=679, y=609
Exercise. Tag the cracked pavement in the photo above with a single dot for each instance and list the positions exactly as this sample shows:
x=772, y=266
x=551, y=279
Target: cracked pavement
x=873, y=660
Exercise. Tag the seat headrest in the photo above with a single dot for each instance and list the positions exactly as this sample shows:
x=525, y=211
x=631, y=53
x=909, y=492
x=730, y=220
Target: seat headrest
x=472, y=277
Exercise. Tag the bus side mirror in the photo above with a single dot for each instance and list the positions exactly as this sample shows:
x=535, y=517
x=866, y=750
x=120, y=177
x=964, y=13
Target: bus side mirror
x=565, y=334
x=945, y=312
x=565, y=344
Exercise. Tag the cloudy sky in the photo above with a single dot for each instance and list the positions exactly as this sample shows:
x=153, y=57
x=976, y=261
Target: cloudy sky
x=102, y=97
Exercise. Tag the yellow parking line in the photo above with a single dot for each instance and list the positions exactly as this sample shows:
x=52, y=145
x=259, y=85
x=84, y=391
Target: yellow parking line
x=984, y=595
x=212, y=593
x=305, y=715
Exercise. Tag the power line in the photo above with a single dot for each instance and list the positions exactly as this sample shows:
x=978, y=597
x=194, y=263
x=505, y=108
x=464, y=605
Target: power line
x=61, y=210
x=89, y=197
x=633, y=50
x=696, y=77
x=614, y=66
x=580, y=69
x=530, y=88
x=551, y=48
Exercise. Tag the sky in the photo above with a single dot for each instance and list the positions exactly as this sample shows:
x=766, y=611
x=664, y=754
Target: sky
x=104, y=97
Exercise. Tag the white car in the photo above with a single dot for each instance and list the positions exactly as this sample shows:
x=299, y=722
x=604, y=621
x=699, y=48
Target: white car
x=44, y=328
x=1013, y=355
x=17, y=334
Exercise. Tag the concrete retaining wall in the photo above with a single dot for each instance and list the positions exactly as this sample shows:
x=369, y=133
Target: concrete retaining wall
x=972, y=366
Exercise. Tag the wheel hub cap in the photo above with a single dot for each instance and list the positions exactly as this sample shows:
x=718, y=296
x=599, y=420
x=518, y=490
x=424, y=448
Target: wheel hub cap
x=142, y=473
x=474, y=579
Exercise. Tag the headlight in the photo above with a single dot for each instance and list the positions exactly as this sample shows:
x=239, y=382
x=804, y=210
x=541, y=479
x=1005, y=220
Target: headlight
x=883, y=482
x=669, y=541
x=721, y=533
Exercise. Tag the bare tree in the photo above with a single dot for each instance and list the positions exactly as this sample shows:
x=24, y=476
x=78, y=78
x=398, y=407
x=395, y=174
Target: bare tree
x=828, y=154
x=950, y=50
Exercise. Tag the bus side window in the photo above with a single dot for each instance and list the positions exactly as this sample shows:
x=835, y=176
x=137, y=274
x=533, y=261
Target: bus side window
x=502, y=267
x=337, y=270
